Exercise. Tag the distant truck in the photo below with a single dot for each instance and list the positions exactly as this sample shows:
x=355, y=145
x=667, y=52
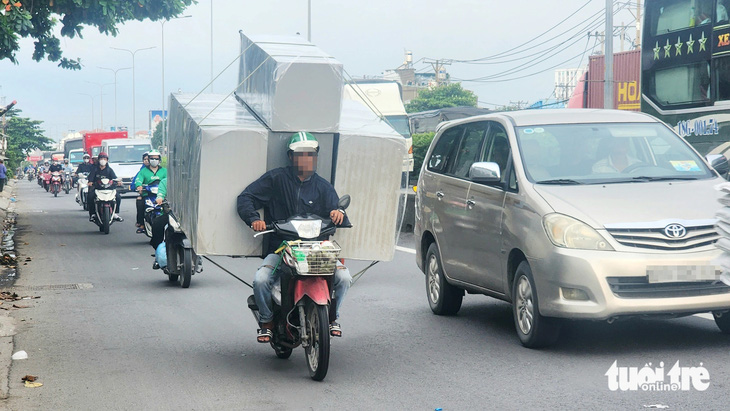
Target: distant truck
x=76, y=156
x=125, y=158
x=72, y=144
x=383, y=97
x=92, y=140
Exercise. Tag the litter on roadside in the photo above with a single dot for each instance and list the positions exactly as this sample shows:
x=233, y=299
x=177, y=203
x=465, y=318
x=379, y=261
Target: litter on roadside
x=20, y=355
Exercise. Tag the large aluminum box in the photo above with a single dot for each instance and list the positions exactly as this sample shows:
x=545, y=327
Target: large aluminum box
x=290, y=84
x=217, y=147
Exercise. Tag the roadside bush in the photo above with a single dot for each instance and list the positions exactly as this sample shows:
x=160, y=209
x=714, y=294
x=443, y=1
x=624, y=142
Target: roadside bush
x=421, y=142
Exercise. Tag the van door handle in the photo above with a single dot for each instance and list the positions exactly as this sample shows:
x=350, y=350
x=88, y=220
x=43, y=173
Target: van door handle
x=471, y=203
x=440, y=194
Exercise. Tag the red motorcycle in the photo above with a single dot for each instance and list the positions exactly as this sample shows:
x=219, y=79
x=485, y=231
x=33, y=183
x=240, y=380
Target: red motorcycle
x=56, y=182
x=302, y=300
x=46, y=180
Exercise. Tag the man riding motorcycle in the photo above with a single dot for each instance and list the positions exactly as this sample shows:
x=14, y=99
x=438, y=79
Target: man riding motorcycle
x=283, y=193
x=102, y=170
x=84, y=167
x=140, y=201
x=55, y=167
x=149, y=174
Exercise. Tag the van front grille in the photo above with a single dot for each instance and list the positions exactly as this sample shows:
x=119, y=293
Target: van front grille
x=640, y=287
x=656, y=239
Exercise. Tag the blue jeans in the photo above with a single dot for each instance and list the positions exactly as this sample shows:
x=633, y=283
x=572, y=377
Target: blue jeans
x=265, y=279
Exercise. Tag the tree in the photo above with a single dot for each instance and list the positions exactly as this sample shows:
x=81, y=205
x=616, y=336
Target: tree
x=157, y=135
x=24, y=136
x=448, y=95
x=38, y=19
x=421, y=142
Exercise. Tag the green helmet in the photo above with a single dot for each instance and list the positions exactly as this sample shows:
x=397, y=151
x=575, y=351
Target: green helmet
x=303, y=141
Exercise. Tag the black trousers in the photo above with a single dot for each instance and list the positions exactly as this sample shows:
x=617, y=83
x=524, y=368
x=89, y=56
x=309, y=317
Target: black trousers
x=91, y=196
x=140, y=211
x=158, y=230
x=2, y=184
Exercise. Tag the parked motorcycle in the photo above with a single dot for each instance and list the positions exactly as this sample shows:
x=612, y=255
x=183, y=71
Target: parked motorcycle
x=105, y=202
x=152, y=209
x=56, y=182
x=67, y=181
x=302, y=298
x=82, y=190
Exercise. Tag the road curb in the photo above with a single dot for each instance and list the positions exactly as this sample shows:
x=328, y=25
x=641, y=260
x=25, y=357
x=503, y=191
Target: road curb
x=7, y=323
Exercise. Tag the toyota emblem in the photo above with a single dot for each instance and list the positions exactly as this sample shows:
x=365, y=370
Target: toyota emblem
x=675, y=231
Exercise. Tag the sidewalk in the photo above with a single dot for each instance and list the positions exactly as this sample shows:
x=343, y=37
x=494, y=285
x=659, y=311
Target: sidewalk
x=7, y=274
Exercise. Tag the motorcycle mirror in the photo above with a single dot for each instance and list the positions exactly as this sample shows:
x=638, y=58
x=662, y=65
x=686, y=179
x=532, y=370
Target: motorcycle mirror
x=344, y=202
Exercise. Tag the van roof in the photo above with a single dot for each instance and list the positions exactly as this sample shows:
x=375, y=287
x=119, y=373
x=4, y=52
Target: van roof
x=562, y=116
x=126, y=141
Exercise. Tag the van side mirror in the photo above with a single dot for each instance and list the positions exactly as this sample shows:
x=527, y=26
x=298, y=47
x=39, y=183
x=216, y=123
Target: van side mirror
x=485, y=173
x=719, y=163
x=344, y=202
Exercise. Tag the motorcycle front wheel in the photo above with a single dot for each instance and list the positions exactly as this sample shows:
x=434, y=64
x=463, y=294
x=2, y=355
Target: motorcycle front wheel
x=105, y=217
x=317, y=353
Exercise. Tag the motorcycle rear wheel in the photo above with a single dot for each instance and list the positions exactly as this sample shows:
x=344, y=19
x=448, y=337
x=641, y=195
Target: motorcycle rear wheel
x=186, y=272
x=55, y=193
x=317, y=353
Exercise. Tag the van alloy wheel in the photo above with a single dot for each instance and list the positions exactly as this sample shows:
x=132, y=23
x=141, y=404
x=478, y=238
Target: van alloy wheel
x=525, y=306
x=434, y=279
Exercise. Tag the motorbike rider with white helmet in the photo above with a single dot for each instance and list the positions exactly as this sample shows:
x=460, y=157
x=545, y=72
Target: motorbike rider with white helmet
x=101, y=170
x=283, y=193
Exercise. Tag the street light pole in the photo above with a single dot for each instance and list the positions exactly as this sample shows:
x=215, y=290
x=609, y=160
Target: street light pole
x=309, y=21
x=92, y=108
x=211, y=46
x=116, y=124
x=134, y=106
x=101, y=99
x=164, y=116
x=608, y=40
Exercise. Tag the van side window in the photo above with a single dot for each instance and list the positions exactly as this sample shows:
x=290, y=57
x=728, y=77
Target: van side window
x=443, y=149
x=497, y=149
x=469, y=149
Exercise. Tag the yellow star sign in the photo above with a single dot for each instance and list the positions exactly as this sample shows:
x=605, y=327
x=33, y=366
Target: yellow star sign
x=678, y=46
x=690, y=45
x=667, y=49
x=657, y=49
x=702, y=41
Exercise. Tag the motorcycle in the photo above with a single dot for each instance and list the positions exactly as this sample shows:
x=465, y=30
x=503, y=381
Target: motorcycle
x=82, y=190
x=105, y=202
x=55, y=183
x=152, y=209
x=67, y=181
x=302, y=297
x=46, y=180
x=30, y=176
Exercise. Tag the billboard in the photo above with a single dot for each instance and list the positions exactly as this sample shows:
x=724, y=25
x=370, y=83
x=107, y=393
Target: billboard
x=155, y=117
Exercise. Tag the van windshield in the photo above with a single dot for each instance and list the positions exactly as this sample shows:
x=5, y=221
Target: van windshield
x=76, y=157
x=127, y=153
x=607, y=153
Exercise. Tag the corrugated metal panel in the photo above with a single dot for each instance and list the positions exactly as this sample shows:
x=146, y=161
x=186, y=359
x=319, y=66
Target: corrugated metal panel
x=626, y=77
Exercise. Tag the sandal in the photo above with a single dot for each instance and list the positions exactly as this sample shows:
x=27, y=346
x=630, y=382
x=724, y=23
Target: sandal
x=140, y=230
x=265, y=335
x=335, y=330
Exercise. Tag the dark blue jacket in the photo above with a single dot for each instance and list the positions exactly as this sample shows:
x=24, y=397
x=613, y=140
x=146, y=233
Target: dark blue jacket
x=282, y=195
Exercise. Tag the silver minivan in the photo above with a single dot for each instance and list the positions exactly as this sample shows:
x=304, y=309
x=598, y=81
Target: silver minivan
x=591, y=214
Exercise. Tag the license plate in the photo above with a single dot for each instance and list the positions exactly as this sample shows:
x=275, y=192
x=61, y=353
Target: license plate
x=681, y=273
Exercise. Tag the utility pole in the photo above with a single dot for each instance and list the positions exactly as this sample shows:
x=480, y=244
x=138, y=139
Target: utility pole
x=437, y=66
x=608, y=79
x=623, y=35
x=309, y=21
x=638, y=24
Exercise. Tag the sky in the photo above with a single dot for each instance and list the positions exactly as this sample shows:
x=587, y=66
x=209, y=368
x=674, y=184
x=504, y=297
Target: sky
x=368, y=37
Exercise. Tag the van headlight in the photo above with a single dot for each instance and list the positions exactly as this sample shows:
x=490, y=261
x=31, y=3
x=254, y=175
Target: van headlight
x=567, y=232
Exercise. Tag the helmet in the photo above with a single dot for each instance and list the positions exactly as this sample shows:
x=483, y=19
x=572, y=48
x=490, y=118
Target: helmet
x=153, y=153
x=103, y=155
x=303, y=141
x=86, y=156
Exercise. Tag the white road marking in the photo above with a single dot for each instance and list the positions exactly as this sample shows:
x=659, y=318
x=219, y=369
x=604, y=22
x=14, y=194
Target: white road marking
x=706, y=316
x=405, y=249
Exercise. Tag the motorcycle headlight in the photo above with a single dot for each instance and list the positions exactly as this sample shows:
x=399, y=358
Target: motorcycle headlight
x=308, y=229
x=567, y=232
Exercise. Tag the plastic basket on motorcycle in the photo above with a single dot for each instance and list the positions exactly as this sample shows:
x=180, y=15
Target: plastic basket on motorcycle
x=312, y=257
